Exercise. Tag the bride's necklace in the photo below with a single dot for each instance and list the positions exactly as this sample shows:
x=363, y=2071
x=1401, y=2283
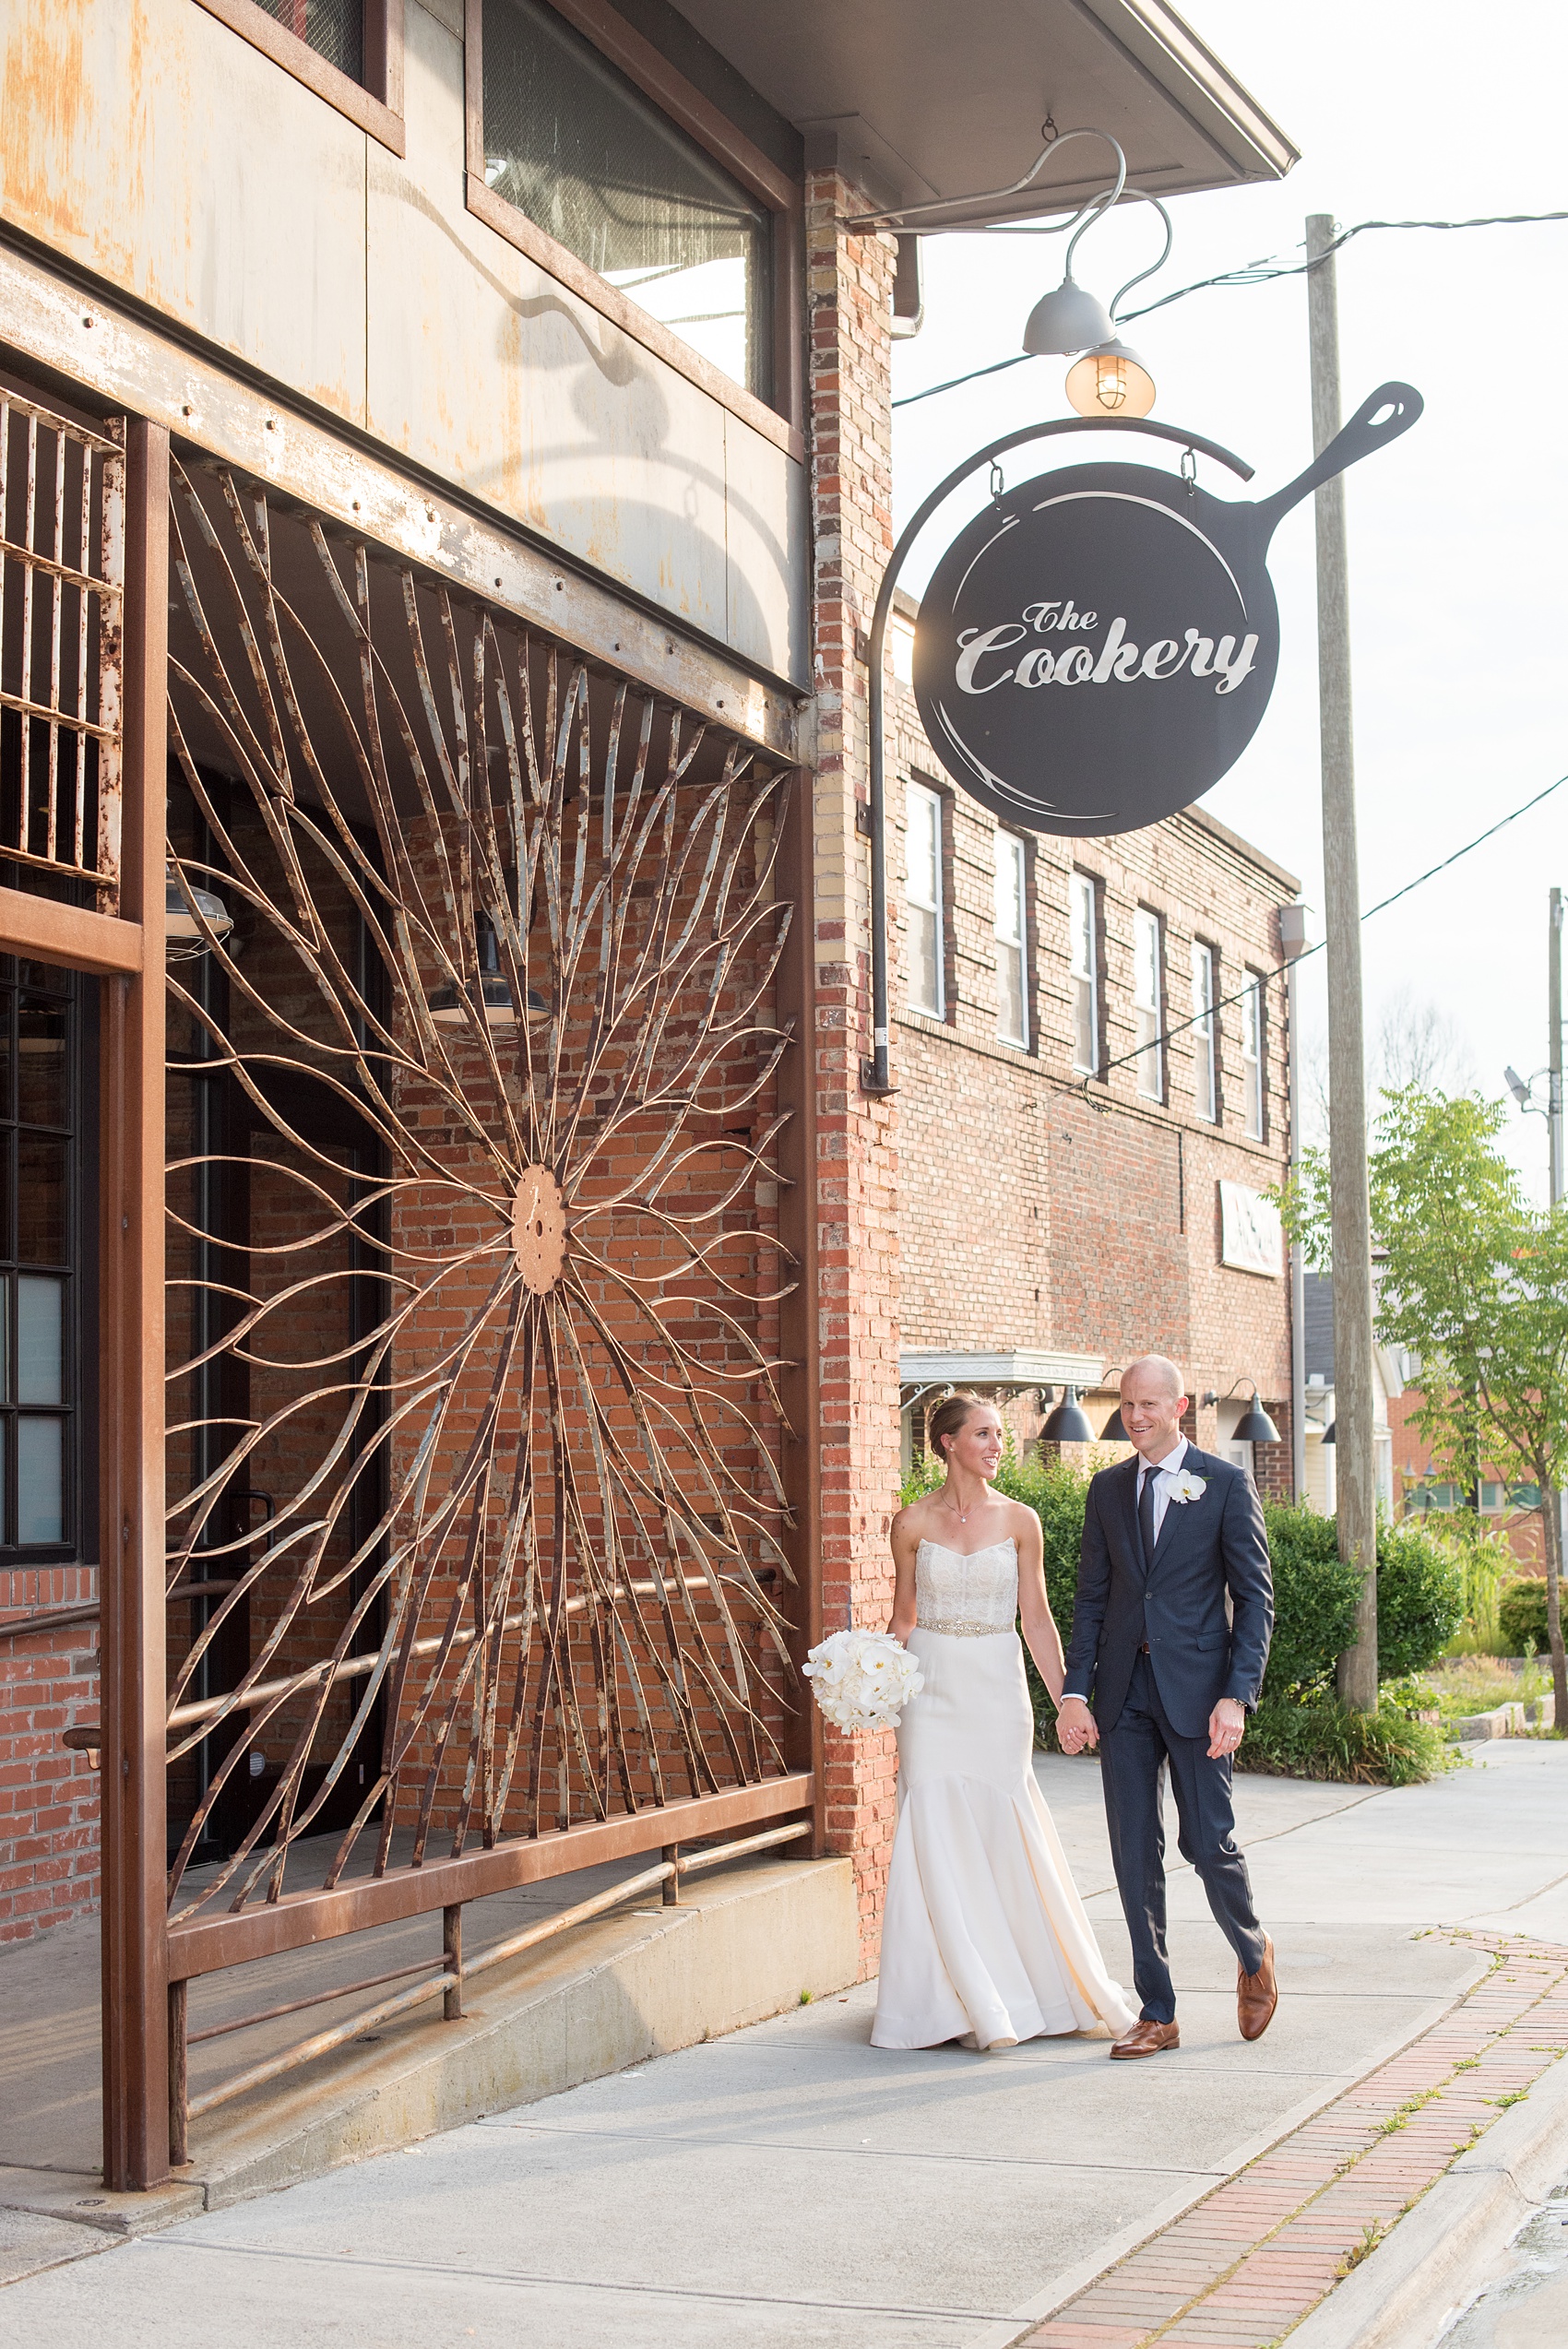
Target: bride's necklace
x=961, y=1514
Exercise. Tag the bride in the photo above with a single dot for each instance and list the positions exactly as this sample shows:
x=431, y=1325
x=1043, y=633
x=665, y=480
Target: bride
x=984, y=1938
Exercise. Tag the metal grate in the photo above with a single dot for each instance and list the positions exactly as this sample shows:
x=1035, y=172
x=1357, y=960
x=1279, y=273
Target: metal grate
x=477, y=1511
x=334, y=28
x=62, y=539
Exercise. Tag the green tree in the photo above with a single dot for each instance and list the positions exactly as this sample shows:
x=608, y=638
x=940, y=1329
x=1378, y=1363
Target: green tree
x=1476, y=1284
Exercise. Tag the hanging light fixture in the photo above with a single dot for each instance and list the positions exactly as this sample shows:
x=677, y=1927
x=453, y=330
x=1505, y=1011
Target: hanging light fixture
x=1255, y=1425
x=1110, y=381
x=1069, y=1422
x=454, y=1006
x=183, y=936
x=1114, y=1432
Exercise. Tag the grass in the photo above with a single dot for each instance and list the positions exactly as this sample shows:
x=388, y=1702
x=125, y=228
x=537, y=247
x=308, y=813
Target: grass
x=1455, y=1685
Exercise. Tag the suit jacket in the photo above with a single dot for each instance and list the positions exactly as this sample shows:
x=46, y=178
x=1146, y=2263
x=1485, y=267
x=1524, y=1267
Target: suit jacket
x=1206, y=1547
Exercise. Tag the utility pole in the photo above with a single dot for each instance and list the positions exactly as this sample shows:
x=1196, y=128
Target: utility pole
x=1349, y=1214
x=1554, y=1041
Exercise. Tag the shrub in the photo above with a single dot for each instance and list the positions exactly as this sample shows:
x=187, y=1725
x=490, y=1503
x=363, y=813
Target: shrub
x=1321, y=1739
x=1521, y=1615
x=1421, y=1582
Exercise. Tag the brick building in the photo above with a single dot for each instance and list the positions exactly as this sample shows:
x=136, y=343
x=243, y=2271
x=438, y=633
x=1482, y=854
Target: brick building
x=1093, y=1064
x=448, y=594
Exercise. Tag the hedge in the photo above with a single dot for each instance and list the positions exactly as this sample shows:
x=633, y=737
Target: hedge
x=1421, y=1599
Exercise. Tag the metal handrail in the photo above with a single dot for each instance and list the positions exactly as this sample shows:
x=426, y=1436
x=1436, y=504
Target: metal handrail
x=437, y=1982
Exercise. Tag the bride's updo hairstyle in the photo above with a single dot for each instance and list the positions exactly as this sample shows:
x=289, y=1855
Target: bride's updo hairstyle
x=948, y=1420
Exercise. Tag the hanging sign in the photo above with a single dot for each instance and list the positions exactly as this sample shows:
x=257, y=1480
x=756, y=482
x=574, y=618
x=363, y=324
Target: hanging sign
x=1098, y=647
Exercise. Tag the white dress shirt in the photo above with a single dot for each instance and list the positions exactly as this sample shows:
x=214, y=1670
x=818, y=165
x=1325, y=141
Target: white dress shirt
x=1164, y=1473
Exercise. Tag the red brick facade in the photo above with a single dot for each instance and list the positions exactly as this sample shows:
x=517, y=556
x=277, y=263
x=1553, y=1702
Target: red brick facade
x=48, y=1795
x=1044, y=1211
x=1412, y=1466
x=850, y=292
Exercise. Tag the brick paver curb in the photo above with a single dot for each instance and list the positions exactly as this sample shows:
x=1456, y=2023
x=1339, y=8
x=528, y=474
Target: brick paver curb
x=1244, y=2266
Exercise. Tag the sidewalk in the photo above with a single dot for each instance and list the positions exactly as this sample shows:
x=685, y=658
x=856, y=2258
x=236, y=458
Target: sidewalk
x=788, y=2185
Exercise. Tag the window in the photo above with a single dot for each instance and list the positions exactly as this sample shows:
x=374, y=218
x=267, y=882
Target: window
x=1252, y=1057
x=350, y=53
x=922, y=900
x=579, y=150
x=1205, y=1087
x=334, y=28
x=1084, y=962
x=1148, y=1005
x=38, y=1239
x=1012, y=989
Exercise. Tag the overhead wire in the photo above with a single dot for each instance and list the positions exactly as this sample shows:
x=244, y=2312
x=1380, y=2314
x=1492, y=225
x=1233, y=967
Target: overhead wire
x=1250, y=273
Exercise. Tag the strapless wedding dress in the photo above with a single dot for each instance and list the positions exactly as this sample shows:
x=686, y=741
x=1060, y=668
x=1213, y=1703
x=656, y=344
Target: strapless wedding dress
x=984, y=1938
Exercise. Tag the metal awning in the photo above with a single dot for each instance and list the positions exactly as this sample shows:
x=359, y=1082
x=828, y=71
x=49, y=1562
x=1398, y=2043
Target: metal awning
x=920, y=1367
x=935, y=100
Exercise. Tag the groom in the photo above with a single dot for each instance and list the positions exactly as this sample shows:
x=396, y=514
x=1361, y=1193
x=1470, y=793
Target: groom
x=1173, y=1674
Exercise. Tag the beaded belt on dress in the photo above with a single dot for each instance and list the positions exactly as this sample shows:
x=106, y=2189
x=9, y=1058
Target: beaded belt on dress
x=963, y=1631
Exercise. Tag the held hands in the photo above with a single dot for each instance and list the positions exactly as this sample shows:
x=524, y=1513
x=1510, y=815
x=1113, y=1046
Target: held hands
x=1226, y=1725
x=1076, y=1726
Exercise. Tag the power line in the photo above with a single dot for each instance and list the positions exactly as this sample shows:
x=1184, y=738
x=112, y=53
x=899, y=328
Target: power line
x=1250, y=273
x=1382, y=905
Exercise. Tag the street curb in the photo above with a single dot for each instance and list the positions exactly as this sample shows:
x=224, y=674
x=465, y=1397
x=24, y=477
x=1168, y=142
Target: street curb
x=1003, y=2332
x=1429, y=2265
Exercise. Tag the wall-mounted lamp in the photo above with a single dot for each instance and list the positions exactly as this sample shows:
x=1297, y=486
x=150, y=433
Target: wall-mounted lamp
x=454, y=1006
x=1254, y=1425
x=184, y=937
x=1069, y=1422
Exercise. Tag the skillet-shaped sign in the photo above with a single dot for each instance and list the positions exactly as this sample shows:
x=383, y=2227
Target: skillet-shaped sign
x=1099, y=646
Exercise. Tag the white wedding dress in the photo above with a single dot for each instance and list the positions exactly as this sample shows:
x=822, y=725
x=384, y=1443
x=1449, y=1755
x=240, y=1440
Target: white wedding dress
x=984, y=1938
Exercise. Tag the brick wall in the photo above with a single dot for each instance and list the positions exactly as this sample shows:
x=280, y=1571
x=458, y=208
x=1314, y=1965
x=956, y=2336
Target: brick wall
x=1038, y=1211
x=850, y=292
x=1412, y=1461
x=48, y=1795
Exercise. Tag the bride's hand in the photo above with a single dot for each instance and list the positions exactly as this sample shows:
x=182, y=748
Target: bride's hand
x=1076, y=1726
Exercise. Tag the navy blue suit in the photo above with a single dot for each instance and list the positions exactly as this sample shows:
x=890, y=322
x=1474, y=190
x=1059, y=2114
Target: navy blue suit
x=1152, y=1706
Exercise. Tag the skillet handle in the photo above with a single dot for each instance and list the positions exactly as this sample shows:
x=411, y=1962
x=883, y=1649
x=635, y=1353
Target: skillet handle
x=1355, y=440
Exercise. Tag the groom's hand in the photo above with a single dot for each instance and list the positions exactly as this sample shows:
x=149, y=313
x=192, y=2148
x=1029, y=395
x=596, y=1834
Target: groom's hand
x=1226, y=1725
x=1076, y=1726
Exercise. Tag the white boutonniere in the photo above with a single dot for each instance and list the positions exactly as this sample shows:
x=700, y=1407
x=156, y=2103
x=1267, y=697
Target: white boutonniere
x=1189, y=1487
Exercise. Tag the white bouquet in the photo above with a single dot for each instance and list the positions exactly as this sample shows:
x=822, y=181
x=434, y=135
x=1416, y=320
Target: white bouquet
x=863, y=1679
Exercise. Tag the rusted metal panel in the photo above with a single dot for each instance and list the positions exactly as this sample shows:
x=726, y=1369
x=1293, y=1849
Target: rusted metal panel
x=301, y=1919
x=152, y=146
x=129, y=364
x=767, y=552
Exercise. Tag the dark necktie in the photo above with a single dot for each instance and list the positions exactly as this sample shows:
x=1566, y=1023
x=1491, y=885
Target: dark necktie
x=1146, y=1514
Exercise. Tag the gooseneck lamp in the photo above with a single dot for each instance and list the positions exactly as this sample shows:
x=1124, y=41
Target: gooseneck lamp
x=1255, y=1425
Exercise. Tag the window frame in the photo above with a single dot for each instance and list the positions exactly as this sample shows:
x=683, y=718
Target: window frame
x=780, y=419
x=1205, y=1033
x=1019, y=859
x=1078, y=879
x=374, y=105
x=1255, y=1060
x=914, y=785
x=1147, y=921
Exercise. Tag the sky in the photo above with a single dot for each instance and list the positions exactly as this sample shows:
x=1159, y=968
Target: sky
x=1458, y=534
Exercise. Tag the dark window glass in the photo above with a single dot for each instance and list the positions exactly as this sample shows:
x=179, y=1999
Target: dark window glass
x=40, y=1200
x=41, y=1063
x=334, y=28
x=579, y=149
x=41, y=1479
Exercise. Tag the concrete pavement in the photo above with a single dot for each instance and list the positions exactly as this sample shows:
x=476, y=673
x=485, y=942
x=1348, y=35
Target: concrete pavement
x=791, y=2185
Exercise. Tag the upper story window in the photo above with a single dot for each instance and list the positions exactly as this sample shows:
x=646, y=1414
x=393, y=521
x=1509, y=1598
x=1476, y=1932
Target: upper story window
x=1084, y=966
x=1205, y=1081
x=922, y=900
x=1011, y=989
x=1148, y=993
x=583, y=154
x=1252, y=1057
x=334, y=28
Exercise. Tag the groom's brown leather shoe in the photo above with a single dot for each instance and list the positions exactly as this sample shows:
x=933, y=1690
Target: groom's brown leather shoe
x=1256, y=1996
x=1146, y=2039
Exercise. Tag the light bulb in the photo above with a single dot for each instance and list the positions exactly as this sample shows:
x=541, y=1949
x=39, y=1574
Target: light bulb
x=1111, y=381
